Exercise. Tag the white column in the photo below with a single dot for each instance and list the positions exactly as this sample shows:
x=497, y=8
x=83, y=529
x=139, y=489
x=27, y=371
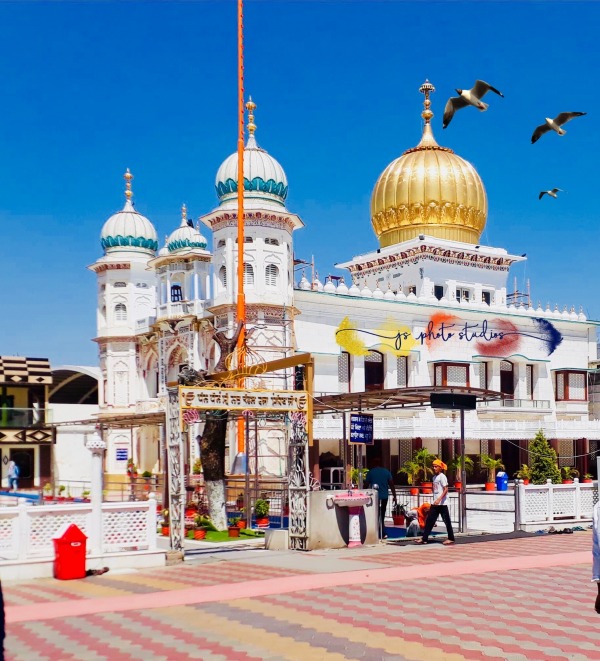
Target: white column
x=97, y=447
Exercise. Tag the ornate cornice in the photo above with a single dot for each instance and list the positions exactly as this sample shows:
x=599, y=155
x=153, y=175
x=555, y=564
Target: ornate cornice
x=100, y=268
x=433, y=253
x=115, y=338
x=220, y=220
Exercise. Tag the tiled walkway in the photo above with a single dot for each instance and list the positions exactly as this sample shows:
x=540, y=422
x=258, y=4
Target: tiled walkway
x=512, y=599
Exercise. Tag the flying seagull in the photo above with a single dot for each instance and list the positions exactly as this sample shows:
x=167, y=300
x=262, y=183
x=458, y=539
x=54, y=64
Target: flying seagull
x=552, y=193
x=555, y=124
x=466, y=98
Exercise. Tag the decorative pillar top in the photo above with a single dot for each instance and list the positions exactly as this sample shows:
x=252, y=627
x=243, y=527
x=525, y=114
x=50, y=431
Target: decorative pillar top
x=95, y=444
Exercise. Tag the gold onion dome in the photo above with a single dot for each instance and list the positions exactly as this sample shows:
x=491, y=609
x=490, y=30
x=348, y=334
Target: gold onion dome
x=428, y=190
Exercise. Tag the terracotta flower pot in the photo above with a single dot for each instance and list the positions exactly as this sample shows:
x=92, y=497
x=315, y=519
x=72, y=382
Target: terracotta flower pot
x=199, y=534
x=165, y=531
x=587, y=481
x=525, y=481
x=458, y=485
x=414, y=491
x=263, y=522
x=567, y=481
x=241, y=524
x=234, y=531
x=426, y=487
x=490, y=486
x=398, y=519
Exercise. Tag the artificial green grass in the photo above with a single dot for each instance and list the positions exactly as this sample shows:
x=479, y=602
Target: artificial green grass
x=223, y=535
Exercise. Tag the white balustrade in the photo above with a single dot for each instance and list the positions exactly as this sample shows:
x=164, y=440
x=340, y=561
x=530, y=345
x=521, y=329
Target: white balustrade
x=556, y=503
x=27, y=531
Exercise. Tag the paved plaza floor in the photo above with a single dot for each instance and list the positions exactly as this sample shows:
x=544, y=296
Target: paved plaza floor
x=524, y=598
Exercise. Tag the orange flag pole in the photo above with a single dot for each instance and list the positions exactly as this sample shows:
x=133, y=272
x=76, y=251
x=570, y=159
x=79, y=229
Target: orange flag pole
x=241, y=301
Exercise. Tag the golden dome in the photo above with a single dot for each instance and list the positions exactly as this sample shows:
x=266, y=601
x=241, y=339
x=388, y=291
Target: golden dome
x=428, y=190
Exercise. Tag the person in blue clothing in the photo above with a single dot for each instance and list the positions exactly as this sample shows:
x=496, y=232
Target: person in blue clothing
x=13, y=475
x=380, y=476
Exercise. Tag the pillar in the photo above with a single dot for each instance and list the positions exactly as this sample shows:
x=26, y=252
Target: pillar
x=96, y=445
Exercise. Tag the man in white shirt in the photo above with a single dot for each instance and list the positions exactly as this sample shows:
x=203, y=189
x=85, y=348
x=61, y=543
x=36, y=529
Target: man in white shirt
x=438, y=507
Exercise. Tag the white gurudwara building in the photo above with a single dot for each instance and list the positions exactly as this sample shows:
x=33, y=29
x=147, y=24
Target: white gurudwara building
x=430, y=307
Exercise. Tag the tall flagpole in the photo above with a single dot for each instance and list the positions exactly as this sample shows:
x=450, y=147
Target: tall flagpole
x=241, y=301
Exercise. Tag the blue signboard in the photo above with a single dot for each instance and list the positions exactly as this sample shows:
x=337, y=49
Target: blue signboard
x=122, y=454
x=361, y=428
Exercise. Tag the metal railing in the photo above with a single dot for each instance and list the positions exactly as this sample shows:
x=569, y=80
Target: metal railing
x=516, y=404
x=11, y=418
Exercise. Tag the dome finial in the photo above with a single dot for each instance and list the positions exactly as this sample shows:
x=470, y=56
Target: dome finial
x=184, y=220
x=250, y=107
x=427, y=88
x=128, y=192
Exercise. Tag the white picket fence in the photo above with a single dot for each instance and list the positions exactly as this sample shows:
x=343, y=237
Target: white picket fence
x=27, y=531
x=555, y=503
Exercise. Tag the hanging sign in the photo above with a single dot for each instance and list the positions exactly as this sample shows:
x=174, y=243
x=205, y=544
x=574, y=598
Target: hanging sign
x=121, y=454
x=237, y=399
x=361, y=428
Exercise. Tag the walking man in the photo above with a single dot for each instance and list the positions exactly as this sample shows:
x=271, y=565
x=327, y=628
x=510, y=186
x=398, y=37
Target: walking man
x=438, y=507
x=13, y=475
x=382, y=478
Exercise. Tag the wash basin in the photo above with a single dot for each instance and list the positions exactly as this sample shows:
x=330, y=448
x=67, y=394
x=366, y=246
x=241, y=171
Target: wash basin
x=353, y=499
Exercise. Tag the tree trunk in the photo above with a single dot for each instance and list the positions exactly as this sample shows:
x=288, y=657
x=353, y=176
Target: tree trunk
x=213, y=465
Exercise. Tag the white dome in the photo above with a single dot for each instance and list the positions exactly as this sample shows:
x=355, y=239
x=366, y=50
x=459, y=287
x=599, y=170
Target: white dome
x=128, y=230
x=186, y=236
x=264, y=178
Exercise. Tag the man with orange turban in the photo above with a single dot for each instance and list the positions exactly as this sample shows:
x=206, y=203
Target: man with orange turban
x=438, y=507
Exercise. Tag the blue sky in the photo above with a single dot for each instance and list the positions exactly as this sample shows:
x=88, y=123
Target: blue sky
x=88, y=89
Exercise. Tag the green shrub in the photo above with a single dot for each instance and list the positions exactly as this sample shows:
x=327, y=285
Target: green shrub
x=543, y=460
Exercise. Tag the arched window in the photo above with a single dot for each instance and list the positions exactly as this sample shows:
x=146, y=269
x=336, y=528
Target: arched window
x=176, y=293
x=248, y=274
x=223, y=276
x=271, y=275
x=374, y=371
x=120, y=312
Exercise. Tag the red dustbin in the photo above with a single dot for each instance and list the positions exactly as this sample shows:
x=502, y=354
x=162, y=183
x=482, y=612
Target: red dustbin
x=69, y=553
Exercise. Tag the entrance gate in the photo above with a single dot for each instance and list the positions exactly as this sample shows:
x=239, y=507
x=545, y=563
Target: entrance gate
x=296, y=404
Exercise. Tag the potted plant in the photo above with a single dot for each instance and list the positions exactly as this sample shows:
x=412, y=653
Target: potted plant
x=524, y=473
x=354, y=473
x=165, y=523
x=568, y=474
x=85, y=495
x=131, y=468
x=424, y=459
x=456, y=465
x=47, y=491
x=588, y=478
x=239, y=501
x=197, y=467
x=491, y=464
x=411, y=470
x=233, y=528
x=61, y=490
x=261, y=512
x=200, y=529
x=399, y=513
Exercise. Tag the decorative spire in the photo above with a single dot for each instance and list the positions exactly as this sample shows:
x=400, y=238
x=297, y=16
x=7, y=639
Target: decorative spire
x=250, y=107
x=427, y=139
x=184, y=220
x=427, y=88
x=128, y=192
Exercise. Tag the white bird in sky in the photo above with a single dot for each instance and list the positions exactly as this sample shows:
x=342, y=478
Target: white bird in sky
x=555, y=124
x=466, y=98
x=552, y=193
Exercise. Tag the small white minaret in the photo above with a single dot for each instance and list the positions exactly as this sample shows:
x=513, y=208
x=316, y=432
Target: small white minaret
x=126, y=301
x=268, y=270
x=183, y=277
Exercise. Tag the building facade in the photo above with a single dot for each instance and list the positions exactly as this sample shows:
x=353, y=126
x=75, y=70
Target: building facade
x=430, y=307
